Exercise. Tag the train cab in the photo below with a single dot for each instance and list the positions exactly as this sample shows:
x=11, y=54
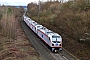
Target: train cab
x=56, y=41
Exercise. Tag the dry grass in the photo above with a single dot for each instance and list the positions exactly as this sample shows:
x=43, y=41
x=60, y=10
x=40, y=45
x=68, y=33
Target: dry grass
x=14, y=45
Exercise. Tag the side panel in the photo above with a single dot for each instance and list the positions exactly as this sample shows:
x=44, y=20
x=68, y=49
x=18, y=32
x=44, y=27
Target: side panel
x=26, y=21
x=29, y=23
x=33, y=28
x=44, y=37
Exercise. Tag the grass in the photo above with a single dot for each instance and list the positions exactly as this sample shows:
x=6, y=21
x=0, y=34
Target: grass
x=14, y=45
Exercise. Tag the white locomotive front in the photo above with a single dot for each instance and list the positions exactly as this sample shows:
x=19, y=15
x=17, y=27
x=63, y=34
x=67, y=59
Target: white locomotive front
x=56, y=41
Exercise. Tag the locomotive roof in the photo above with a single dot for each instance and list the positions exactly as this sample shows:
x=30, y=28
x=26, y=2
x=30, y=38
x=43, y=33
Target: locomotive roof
x=48, y=32
x=54, y=34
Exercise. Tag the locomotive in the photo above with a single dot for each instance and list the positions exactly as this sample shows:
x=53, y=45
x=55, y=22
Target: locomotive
x=52, y=39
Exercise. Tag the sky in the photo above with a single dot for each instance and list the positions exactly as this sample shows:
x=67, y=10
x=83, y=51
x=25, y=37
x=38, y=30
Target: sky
x=18, y=2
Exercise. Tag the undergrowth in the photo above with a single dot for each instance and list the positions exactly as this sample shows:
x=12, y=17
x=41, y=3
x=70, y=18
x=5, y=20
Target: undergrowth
x=71, y=20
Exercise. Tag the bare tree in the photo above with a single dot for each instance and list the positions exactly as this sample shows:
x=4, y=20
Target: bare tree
x=88, y=1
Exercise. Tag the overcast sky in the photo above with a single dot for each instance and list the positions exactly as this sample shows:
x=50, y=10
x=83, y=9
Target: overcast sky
x=18, y=2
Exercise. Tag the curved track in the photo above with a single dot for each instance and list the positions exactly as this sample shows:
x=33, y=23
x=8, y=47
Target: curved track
x=43, y=51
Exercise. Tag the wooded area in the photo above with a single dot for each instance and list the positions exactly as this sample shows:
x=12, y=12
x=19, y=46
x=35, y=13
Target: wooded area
x=71, y=20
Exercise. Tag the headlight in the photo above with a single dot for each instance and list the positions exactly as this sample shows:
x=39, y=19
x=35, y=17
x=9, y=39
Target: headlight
x=52, y=44
x=60, y=45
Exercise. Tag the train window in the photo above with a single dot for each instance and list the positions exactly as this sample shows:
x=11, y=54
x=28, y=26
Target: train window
x=42, y=36
x=49, y=38
x=49, y=32
x=55, y=36
x=38, y=26
x=56, y=39
x=35, y=29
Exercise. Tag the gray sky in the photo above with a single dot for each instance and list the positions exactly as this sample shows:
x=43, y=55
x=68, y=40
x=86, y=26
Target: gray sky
x=19, y=2
x=16, y=2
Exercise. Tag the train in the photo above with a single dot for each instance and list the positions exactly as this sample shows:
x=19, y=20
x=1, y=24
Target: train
x=50, y=38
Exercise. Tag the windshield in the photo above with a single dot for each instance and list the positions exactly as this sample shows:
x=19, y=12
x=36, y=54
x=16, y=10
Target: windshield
x=56, y=39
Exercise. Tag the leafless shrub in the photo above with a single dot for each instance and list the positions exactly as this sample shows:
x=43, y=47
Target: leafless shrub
x=8, y=23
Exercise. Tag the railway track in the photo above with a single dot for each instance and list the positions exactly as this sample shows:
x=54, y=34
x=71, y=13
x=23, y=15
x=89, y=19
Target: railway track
x=43, y=51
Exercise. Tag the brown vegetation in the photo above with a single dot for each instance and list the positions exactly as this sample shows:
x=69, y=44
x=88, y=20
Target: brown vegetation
x=14, y=44
x=71, y=20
